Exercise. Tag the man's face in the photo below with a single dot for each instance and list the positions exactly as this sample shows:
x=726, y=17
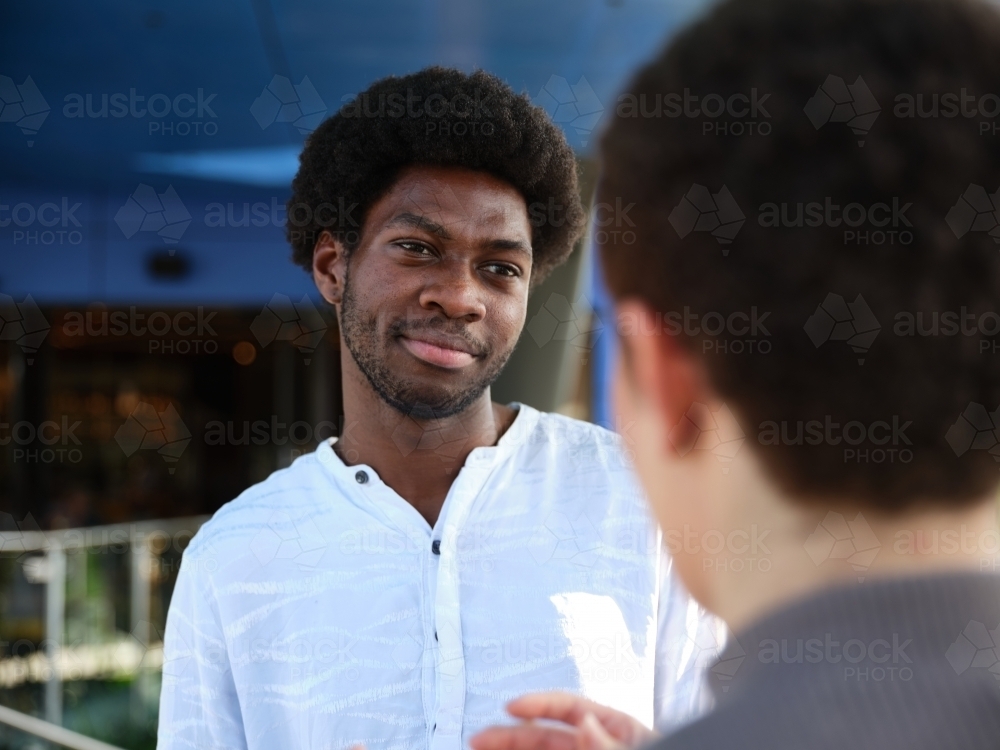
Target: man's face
x=436, y=294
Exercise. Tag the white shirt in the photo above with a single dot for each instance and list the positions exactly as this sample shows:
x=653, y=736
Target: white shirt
x=320, y=610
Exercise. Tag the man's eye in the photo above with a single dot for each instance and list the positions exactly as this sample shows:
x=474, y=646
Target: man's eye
x=414, y=247
x=504, y=270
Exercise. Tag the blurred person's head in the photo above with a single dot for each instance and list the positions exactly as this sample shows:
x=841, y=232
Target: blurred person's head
x=424, y=210
x=796, y=238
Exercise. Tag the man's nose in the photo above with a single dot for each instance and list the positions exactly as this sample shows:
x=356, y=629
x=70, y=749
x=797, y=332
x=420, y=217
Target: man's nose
x=453, y=287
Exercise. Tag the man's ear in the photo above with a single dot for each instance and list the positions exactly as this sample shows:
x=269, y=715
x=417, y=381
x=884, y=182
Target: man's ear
x=661, y=373
x=330, y=267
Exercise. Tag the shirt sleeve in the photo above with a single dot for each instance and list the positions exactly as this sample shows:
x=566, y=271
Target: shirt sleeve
x=689, y=639
x=199, y=706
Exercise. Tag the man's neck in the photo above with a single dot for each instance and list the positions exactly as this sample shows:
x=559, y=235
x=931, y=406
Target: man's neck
x=419, y=459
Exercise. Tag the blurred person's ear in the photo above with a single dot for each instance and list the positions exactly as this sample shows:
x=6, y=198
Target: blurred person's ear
x=657, y=381
x=330, y=268
x=656, y=373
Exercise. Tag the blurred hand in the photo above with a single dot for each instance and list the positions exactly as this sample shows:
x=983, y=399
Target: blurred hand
x=586, y=726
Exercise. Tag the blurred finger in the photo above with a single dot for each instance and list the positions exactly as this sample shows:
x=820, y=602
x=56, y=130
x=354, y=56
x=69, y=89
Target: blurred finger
x=557, y=706
x=594, y=737
x=570, y=709
x=525, y=737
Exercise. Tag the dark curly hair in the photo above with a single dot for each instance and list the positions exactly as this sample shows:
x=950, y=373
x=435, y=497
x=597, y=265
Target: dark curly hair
x=439, y=117
x=823, y=146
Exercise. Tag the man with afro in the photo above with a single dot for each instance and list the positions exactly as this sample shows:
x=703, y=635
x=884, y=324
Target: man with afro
x=445, y=553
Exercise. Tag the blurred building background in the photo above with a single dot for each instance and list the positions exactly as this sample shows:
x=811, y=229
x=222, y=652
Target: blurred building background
x=158, y=351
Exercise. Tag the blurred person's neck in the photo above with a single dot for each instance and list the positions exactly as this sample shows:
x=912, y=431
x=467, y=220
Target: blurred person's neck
x=813, y=546
x=741, y=545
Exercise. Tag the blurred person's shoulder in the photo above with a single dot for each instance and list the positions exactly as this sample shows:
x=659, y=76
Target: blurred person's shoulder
x=893, y=662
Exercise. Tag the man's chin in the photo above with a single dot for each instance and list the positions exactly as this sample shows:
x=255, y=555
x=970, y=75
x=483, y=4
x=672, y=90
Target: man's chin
x=430, y=403
x=421, y=391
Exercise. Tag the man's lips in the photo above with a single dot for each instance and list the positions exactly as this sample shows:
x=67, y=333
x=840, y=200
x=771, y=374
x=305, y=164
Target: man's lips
x=440, y=352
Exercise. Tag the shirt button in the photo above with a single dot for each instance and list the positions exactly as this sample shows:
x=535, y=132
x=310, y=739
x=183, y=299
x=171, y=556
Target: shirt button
x=362, y=477
x=436, y=546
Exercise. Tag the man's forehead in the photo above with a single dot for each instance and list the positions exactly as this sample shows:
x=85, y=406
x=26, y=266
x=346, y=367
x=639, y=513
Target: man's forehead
x=433, y=198
x=470, y=204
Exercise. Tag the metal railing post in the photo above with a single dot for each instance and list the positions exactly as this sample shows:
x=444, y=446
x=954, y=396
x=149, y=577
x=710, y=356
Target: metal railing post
x=55, y=616
x=141, y=559
x=48, y=567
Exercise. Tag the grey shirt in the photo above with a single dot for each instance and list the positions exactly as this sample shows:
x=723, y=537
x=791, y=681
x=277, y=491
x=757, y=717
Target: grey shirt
x=905, y=663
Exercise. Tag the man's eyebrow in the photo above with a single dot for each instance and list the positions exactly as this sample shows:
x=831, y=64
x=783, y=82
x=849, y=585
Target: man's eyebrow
x=500, y=244
x=420, y=222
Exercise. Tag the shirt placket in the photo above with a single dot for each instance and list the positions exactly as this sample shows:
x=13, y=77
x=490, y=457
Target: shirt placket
x=450, y=678
x=396, y=511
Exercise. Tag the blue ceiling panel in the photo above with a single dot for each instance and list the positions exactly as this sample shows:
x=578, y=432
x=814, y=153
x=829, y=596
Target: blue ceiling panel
x=216, y=98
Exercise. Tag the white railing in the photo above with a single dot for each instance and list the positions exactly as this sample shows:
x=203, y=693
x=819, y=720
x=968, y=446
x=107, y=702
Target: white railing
x=51, y=732
x=43, y=555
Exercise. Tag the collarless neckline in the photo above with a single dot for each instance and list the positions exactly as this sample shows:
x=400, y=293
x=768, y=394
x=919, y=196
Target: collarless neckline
x=482, y=456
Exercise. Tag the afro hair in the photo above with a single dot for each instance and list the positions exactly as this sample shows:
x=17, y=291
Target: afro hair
x=437, y=117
